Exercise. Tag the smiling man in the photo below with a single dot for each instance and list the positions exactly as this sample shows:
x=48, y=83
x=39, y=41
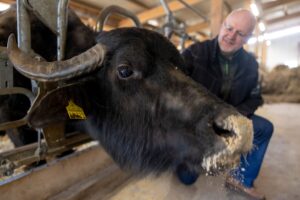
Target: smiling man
x=235, y=31
x=231, y=73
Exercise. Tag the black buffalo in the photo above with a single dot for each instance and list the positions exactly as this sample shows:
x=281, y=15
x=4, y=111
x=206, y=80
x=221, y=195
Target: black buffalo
x=145, y=112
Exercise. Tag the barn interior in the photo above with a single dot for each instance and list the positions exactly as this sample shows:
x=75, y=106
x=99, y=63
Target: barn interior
x=276, y=45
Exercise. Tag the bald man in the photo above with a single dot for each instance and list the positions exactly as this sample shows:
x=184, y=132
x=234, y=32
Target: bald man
x=228, y=71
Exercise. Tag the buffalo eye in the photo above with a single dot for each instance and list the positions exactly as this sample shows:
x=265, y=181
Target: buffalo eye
x=124, y=71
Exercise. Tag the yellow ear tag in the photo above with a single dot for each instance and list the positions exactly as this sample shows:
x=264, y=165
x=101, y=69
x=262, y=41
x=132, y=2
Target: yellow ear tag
x=75, y=111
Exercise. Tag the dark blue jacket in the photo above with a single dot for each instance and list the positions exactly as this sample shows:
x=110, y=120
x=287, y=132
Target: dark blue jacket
x=202, y=64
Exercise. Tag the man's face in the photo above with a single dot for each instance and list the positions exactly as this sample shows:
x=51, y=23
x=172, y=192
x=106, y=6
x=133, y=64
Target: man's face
x=233, y=35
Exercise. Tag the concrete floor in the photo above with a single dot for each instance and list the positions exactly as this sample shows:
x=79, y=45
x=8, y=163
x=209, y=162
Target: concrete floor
x=279, y=178
x=280, y=174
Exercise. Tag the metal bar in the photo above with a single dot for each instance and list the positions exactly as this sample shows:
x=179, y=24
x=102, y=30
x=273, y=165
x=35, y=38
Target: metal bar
x=16, y=90
x=6, y=70
x=23, y=27
x=102, y=18
x=13, y=124
x=53, y=14
x=27, y=154
x=168, y=28
x=166, y=7
x=62, y=24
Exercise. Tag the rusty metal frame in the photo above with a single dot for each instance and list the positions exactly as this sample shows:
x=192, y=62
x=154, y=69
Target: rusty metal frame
x=11, y=160
x=16, y=90
x=6, y=70
x=57, y=24
x=55, y=142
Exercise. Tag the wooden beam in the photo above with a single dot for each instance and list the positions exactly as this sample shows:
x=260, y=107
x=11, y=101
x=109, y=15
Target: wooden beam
x=73, y=4
x=216, y=16
x=272, y=4
x=157, y=12
x=284, y=18
x=87, y=13
x=140, y=4
x=247, y=4
x=87, y=9
x=197, y=27
x=8, y=1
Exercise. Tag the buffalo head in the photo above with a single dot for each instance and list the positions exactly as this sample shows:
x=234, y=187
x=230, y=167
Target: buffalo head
x=146, y=113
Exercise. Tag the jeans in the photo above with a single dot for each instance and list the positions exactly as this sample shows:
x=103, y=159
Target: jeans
x=250, y=164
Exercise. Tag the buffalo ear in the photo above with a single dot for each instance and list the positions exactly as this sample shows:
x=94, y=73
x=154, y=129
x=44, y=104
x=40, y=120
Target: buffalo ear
x=53, y=107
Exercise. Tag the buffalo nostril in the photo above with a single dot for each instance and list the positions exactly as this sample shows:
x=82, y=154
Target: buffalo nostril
x=221, y=131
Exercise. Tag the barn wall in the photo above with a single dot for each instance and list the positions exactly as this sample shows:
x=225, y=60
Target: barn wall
x=284, y=51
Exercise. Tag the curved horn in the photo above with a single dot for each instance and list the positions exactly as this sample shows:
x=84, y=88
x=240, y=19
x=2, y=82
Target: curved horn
x=58, y=70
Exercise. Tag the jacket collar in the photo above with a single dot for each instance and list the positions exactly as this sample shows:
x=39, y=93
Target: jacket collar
x=215, y=48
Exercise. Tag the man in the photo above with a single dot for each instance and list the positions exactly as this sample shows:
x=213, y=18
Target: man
x=227, y=70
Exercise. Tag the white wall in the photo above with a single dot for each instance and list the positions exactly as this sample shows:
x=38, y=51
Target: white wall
x=284, y=50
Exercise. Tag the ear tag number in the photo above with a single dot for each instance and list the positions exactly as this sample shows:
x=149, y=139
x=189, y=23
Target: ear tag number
x=75, y=111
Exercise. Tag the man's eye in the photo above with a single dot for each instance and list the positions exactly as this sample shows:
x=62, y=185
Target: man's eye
x=124, y=71
x=241, y=34
x=228, y=28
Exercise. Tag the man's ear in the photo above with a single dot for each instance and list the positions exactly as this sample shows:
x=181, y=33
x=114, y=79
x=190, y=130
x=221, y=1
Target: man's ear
x=59, y=105
x=248, y=37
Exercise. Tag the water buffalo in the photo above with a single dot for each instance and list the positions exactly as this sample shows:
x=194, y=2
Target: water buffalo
x=146, y=113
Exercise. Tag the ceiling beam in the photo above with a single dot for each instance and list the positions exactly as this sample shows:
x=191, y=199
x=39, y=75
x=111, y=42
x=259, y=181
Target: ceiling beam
x=216, y=16
x=84, y=8
x=73, y=4
x=138, y=3
x=8, y=1
x=273, y=4
x=284, y=18
x=85, y=11
x=158, y=12
x=197, y=27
